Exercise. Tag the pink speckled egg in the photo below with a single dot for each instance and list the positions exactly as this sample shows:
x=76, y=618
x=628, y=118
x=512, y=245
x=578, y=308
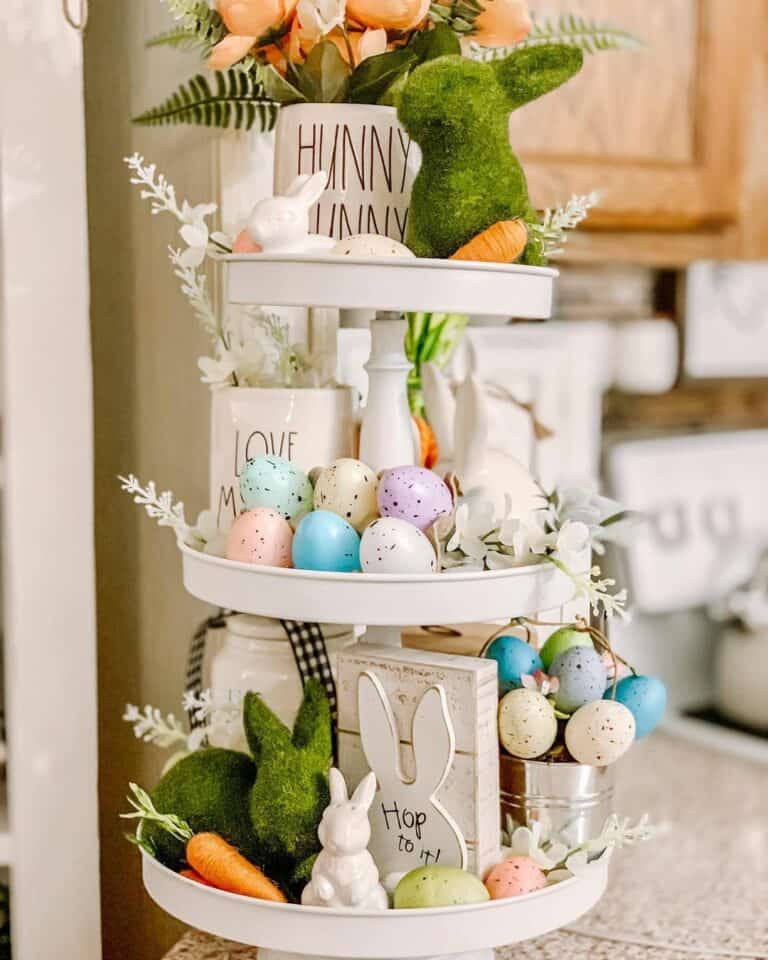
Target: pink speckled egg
x=260, y=536
x=413, y=494
x=514, y=876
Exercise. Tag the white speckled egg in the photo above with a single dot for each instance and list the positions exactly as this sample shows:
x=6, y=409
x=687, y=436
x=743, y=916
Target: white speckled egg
x=370, y=245
x=527, y=723
x=600, y=732
x=348, y=488
x=389, y=545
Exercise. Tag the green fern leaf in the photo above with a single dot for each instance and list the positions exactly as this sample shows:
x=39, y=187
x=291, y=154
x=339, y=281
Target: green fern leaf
x=178, y=37
x=235, y=101
x=590, y=35
x=200, y=21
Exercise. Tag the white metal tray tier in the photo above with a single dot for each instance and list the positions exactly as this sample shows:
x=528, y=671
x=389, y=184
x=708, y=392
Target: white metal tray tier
x=374, y=599
x=390, y=283
x=384, y=935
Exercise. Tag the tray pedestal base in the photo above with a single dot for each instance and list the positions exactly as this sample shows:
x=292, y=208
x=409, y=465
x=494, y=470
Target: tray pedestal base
x=486, y=954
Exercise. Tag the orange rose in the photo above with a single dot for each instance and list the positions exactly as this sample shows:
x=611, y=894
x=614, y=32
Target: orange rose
x=229, y=51
x=253, y=18
x=388, y=14
x=369, y=43
x=502, y=23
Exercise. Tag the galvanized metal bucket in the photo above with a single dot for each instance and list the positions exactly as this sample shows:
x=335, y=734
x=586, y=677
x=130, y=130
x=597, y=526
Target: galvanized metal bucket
x=570, y=799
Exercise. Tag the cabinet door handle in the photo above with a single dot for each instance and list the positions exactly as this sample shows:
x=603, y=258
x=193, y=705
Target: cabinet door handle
x=78, y=21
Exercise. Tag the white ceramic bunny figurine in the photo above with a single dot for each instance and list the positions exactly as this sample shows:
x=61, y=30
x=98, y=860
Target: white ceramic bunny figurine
x=409, y=825
x=345, y=874
x=461, y=426
x=281, y=224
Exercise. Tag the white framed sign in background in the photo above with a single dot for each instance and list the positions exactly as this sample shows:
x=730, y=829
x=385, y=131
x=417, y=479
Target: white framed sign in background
x=705, y=505
x=726, y=319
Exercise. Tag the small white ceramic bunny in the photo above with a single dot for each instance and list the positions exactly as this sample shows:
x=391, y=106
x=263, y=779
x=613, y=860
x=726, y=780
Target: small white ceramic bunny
x=461, y=426
x=281, y=224
x=345, y=874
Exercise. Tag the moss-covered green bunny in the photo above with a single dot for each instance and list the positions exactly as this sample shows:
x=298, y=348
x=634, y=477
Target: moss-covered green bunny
x=290, y=791
x=457, y=110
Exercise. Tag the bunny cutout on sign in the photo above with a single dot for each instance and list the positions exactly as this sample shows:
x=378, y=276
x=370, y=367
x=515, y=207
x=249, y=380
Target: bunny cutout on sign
x=409, y=826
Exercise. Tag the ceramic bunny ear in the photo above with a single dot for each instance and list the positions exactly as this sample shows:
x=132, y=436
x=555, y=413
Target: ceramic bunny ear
x=433, y=739
x=529, y=73
x=440, y=406
x=308, y=189
x=337, y=786
x=365, y=791
x=378, y=730
x=470, y=429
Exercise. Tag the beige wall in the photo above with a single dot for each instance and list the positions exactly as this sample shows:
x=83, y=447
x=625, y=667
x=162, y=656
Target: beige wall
x=151, y=418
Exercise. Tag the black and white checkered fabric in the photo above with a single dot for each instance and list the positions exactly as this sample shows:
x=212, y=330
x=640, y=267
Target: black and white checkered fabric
x=311, y=656
x=193, y=678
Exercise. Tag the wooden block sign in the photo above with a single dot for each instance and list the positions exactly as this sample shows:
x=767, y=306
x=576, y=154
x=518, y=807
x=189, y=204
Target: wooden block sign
x=425, y=723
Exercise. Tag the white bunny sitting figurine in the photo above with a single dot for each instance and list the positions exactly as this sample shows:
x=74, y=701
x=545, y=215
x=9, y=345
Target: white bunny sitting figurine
x=344, y=874
x=281, y=224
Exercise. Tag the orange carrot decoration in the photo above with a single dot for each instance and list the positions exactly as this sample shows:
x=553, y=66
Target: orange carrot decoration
x=222, y=866
x=195, y=877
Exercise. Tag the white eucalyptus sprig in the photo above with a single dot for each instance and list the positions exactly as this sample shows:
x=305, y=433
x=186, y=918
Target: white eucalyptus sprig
x=162, y=507
x=555, y=223
x=151, y=726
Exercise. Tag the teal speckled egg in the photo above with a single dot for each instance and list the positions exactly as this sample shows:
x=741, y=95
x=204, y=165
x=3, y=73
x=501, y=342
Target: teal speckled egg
x=437, y=886
x=323, y=541
x=277, y=484
x=645, y=698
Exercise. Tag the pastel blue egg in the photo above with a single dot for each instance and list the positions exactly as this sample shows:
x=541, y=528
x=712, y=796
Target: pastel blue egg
x=515, y=658
x=646, y=700
x=276, y=484
x=324, y=541
x=582, y=677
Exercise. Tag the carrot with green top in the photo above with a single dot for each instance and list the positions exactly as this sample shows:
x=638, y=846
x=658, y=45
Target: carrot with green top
x=225, y=868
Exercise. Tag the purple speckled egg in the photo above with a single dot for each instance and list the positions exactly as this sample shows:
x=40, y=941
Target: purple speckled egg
x=413, y=494
x=260, y=536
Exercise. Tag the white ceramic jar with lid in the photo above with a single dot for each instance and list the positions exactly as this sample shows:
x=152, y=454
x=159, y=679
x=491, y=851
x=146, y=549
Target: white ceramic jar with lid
x=254, y=653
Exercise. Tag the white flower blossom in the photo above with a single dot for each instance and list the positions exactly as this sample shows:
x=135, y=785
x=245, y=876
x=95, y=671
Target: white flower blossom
x=474, y=520
x=531, y=842
x=317, y=18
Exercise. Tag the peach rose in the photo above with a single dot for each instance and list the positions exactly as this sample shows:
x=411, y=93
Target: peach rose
x=388, y=14
x=230, y=51
x=367, y=43
x=502, y=23
x=252, y=18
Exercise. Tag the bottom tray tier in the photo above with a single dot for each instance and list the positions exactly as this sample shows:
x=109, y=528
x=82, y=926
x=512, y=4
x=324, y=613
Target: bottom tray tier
x=284, y=929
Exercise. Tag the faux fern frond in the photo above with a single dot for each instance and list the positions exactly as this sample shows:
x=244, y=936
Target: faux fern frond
x=177, y=37
x=201, y=22
x=233, y=100
x=591, y=35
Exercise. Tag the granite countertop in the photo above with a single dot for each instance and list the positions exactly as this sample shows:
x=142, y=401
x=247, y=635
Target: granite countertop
x=699, y=891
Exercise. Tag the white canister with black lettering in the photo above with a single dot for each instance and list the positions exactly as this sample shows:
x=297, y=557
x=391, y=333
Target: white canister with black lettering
x=254, y=653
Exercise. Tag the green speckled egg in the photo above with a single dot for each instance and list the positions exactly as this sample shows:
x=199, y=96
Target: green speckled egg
x=436, y=886
x=277, y=484
x=562, y=640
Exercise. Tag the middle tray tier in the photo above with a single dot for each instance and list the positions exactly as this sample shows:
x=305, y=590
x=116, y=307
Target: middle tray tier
x=375, y=599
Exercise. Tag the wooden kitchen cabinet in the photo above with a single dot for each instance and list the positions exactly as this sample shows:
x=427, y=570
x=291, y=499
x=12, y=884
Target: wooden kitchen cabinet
x=660, y=131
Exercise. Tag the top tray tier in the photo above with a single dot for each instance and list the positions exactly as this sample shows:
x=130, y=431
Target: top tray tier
x=390, y=283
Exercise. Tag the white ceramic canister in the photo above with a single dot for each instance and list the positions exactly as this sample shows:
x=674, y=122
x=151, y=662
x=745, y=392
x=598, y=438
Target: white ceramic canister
x=741, y=677
x=255, y=654
x=309, y=427
x=370, y=161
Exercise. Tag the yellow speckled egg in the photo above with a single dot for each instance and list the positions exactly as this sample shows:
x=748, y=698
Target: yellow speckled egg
x=600, y=732
x=527, y=723
x=513, y=877
x=348, y=488
x=262, y=537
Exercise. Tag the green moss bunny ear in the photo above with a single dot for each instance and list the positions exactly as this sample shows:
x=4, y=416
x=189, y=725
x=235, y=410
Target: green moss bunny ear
x=291, y=787
x=529, y=73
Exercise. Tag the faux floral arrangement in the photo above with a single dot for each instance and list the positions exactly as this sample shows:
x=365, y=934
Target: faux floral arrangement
x=266, y=53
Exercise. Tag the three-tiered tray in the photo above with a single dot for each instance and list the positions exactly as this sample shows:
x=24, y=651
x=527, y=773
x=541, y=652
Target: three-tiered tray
x=384, y=603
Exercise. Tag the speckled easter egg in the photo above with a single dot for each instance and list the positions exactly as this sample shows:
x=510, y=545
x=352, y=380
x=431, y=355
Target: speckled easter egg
x=370, y=245
x=277, y=484
x=513, y=877
x=414, y=494
x=438, y=886
x=323, y=541
x=582, y=677
x=645, y=698
x=515, y=658
x=347, y=487
x=262, y=537
x=562, y=640
x=390, y=545
x=527, y=723
x=600, y=732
